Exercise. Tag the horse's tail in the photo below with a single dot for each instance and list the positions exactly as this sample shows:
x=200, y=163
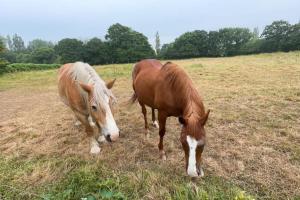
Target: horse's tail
x=133, y=99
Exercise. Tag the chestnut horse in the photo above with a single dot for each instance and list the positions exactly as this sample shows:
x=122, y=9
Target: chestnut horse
x=169, y=89
x=90, y=99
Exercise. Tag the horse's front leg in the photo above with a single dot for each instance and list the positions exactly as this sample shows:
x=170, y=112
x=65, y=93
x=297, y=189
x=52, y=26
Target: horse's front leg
x=89, y=129
x=95, y=149
x=154, y=122
x=162, y=117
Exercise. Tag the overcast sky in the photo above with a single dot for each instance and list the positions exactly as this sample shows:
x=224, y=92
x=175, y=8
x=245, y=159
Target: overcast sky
x=84, y=19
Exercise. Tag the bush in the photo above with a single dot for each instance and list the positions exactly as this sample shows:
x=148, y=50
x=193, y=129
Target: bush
x=16, y=67
x=3, y=66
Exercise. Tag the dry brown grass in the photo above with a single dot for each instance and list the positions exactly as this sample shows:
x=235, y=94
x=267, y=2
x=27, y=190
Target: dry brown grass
x=253, y=131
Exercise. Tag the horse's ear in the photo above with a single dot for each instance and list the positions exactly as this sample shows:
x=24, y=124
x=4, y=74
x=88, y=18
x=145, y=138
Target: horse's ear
x=204, y=119
x=110, y=84
x=86, y=87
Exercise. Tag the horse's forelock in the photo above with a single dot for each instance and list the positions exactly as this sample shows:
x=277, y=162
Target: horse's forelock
x=194, y=127
x=83, y=72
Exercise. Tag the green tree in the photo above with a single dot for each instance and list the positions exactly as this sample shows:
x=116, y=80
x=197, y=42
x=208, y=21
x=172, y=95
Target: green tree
x=292, y=40
x=38, y=43
x=256, y=32
x=127, y=45
x=9, y=42
x=17, y=43
x=214, y=44
x=2, y=44
x=275, y=36
x=43, y=55
x=96, y=52
x=252, y=46
x=22, y=57
x=157, y=44
x=10, y=56
x=188, y=45
x=69, y=50
x=192, y=44
x=167, y=51
x=232, y=39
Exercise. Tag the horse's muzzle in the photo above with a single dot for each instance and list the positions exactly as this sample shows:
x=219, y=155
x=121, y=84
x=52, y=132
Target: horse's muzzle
x=108, y=139
x=112, y=137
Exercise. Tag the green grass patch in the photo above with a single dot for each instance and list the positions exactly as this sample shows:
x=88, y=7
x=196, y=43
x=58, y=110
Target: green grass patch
x=94, y=180
x=31, y=79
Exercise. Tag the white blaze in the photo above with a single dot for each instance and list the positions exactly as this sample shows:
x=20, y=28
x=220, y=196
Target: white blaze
x=192, y=169
x=110, y=127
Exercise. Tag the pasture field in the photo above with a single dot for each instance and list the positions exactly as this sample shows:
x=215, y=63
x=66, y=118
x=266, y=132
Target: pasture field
x=253, y=134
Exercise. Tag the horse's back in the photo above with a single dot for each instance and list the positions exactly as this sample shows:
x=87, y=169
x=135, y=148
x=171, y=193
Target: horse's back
x=68, y=90
x=148, y=65
x=145, y=74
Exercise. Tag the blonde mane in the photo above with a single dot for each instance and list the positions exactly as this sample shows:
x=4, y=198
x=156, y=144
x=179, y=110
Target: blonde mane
x=84, y=73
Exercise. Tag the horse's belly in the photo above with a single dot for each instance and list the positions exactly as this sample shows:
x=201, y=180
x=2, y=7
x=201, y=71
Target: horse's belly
x=144, y=89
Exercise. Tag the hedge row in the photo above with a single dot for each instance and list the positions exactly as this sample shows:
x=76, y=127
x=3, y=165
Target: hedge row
x=17, y=67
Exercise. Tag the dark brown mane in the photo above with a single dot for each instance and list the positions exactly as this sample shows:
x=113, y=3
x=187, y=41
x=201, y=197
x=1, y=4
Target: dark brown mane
x=186, y=93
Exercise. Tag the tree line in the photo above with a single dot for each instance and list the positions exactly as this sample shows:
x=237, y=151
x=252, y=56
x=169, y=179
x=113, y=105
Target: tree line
x=123, y=45
x=278, y=36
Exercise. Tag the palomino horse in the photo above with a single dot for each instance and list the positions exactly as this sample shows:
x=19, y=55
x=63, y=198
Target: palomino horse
x=168, y=89
x=90, y=99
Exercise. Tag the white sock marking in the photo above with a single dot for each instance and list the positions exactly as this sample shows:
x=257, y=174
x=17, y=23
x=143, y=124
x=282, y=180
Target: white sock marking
x=95, y=149
x=155, y=124
x=90, y=119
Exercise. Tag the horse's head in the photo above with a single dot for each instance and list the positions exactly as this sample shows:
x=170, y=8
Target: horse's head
x=193, y=142
x=101, y=110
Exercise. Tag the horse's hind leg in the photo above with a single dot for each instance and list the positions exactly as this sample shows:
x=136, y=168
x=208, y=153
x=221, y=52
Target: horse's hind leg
x=154, y=122
x=162, y=117
x=144, y=111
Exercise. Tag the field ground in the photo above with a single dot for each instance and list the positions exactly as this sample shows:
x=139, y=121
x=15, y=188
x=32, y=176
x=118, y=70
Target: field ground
x=253, y=132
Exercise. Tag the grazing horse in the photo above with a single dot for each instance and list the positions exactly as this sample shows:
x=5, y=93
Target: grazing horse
x=169, y=89
x=90, y=99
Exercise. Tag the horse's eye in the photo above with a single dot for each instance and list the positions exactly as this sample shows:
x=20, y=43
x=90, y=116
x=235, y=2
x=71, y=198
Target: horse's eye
x=94, y=108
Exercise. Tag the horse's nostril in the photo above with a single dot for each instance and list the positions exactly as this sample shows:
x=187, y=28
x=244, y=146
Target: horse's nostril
x=108, y=139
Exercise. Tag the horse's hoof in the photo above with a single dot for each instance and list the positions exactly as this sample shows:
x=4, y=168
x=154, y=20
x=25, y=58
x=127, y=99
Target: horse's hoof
x=155, y=124
x=163, y=155
x=101, y=139
x=95, y=150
